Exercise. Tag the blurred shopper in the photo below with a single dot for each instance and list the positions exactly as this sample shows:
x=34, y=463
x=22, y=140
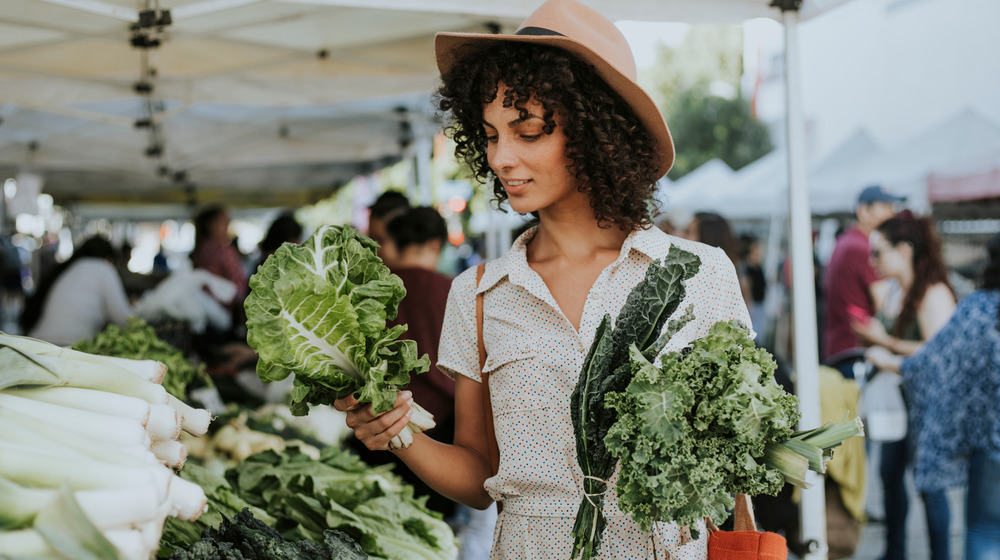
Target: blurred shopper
x=78, y=298
x=712, y=229
x=752, y=273
x=387, y=206
x=909, y=310
x=214, y=252
x=848, y=278
x=953, y=387
x=284, y=229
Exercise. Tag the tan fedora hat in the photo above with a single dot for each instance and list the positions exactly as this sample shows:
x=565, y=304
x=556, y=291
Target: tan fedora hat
x=581, y=31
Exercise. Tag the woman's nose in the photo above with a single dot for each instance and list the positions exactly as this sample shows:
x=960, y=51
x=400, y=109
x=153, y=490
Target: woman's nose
x=502, y=156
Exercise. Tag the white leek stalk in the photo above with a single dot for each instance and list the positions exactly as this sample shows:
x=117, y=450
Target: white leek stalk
x=21, y=367
x=34, y=467
x=194, y=421
x=114, y=429
x=171, y=453
x=89, y=399
x=187, y=500
x=107, y=508
x=164, y=423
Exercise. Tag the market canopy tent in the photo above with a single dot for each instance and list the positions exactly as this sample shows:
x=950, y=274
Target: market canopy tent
x=264, y=102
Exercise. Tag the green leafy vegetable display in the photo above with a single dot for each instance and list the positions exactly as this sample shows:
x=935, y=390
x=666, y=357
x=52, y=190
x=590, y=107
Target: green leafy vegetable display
x=138, y=341
x=607, y=369
x=247, y=538
x=303, y=498
x=691, y=433
x=339, y=491
x=318, y=310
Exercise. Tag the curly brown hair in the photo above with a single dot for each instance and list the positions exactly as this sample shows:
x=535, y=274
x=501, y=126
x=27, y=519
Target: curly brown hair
x=928, y=264
x=610, y=149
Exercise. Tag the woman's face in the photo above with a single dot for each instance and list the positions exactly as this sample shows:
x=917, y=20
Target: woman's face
x=219, y=228
x=531, y=164
x=890, y=261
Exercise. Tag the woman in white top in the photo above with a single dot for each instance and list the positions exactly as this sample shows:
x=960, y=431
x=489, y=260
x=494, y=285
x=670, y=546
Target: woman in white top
x=552, y=119
x=79, y=298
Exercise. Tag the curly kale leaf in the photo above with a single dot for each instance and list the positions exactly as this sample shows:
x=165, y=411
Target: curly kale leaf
x=692, y=432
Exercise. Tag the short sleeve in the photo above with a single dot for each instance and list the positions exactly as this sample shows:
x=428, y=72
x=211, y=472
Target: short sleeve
x=458, y=350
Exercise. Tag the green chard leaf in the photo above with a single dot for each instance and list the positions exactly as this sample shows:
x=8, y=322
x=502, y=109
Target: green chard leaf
x=318, y=310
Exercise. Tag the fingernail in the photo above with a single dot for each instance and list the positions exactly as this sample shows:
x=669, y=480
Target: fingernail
x=407, y=395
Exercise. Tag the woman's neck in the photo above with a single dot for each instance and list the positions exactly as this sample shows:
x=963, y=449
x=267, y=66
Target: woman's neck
x=573, y=237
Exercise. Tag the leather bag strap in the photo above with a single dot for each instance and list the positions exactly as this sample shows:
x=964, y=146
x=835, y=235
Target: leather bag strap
x=492, y=448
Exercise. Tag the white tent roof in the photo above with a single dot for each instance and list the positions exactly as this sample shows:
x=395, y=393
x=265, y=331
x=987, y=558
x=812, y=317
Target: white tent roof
x=276, y=100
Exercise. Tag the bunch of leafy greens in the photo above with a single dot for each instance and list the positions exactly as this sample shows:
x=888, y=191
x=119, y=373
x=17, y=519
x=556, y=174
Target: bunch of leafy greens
x=138, y=341
x=692, y=432
x=319, y=310
x=339, y=491
x=245, y=537
x=607, y=369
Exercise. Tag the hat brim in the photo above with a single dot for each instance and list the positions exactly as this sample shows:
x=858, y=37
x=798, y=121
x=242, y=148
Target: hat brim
x=448, y=45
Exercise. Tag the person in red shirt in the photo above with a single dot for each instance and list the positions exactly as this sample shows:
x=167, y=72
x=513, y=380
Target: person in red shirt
x=848, y=278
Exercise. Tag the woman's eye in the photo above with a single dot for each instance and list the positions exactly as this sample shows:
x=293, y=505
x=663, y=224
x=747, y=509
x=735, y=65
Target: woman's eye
x=491, y=139
x=530, y=137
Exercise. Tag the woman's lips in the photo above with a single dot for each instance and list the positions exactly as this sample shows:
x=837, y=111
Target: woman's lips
x=516, y=186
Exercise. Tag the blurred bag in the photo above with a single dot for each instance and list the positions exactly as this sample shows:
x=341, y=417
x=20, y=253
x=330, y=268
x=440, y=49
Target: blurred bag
x=883, y=407
x=745, y=542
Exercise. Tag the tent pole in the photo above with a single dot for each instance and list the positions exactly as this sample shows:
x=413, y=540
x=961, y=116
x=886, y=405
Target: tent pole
x=806, y=351
x=424, y=149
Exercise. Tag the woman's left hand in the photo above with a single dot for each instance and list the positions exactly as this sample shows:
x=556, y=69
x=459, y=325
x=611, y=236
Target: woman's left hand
x=872, y=332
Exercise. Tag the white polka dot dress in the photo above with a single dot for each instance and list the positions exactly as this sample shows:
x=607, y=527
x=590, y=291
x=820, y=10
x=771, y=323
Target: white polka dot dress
x=534, y=360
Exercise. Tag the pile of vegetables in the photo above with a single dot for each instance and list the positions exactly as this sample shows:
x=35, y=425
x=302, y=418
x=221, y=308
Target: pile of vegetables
x=318, y=310
x=87, y=444
x=246, y=538
x=303, y=499
x=137, y=340
x=709, y=423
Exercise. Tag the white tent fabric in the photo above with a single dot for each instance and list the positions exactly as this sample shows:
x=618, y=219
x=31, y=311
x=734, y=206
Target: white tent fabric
x=278, y=101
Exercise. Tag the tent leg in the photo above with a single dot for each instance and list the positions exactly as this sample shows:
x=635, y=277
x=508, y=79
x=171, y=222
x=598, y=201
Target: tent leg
x=806, y=351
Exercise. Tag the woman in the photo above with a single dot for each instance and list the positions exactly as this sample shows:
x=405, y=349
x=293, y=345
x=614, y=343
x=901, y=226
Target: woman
x=912, y=303
x=214, y=252
x=79, y=298
x=953, y=383
x=552, y=118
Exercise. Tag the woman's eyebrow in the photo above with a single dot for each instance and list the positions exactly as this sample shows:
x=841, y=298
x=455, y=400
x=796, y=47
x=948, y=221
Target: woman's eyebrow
x=514, y=122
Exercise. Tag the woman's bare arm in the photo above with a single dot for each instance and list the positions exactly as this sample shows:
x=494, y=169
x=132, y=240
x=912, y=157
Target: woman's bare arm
x=456, y=471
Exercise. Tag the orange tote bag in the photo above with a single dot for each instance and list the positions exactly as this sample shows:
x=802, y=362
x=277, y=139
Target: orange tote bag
x=745, y=542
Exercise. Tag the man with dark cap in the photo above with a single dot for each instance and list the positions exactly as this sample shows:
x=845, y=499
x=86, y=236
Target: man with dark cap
x=849, y=276
x=386, y=207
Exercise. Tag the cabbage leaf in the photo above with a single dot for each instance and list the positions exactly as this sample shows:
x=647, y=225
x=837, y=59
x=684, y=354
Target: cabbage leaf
x=318, y=310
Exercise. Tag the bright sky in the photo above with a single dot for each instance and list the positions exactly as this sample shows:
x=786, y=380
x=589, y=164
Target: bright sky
x=643, y=36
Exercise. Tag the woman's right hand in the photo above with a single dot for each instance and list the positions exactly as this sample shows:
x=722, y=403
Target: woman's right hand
x=376, y=431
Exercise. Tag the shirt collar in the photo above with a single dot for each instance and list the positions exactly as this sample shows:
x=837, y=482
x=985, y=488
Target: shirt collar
x=651, y=242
